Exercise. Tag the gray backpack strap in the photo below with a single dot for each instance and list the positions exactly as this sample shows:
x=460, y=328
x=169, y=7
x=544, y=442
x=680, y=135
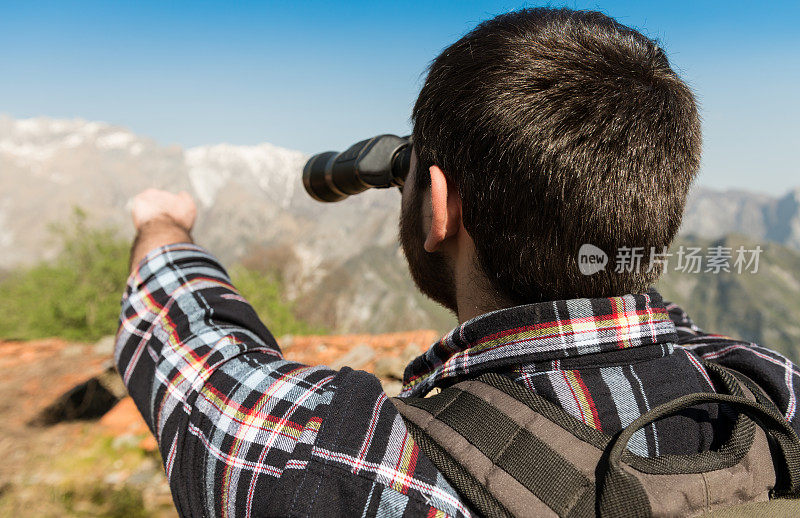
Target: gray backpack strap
x=757, y=391
x=498, y=453
x=510, y=452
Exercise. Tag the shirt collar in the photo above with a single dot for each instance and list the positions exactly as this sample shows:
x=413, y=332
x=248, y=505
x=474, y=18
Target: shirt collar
x=541, y=332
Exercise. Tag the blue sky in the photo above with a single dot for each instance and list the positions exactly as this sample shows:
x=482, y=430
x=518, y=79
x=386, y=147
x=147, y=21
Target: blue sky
x=317, y=75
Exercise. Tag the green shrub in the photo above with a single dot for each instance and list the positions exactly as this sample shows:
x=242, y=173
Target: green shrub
x=77, y=296
x=264, y=292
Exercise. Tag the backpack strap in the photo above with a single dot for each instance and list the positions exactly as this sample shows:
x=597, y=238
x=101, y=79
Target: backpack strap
x=510, y=452
x=622, y=493
x=496, y=451
x=757, y=391
x=787, y=473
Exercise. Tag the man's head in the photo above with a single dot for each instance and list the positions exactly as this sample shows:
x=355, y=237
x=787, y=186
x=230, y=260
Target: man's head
x=553, y=128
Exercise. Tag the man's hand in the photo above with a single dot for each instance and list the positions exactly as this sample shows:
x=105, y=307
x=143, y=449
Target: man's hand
x=152, y=205
x=160, y=218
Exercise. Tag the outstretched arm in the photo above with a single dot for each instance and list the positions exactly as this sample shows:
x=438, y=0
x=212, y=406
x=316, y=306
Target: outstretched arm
x=243, y=431
x=230, y=414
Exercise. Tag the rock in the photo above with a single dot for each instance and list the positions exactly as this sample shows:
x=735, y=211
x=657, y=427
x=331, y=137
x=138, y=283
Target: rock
x=286, y=342
x=105, y=346
x=111, y=380
x=144, y=472
x=87, y=400
x=148, y=443
x=391, y=387
x=411, y=351
x=125, y=441
x=72, y=351
x=356, y=358
x=116, y=478
x=389, y=367
x=123, y=419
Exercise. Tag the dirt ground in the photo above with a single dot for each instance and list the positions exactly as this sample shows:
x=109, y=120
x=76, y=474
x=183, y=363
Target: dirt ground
x=60, y=456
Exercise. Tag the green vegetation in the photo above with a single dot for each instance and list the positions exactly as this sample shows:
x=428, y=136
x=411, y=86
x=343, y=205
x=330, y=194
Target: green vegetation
x=77, y=295
x=97, y=476
x=98, y=500
x=265, y=293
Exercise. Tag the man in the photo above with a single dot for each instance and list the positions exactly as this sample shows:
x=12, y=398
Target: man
x=539, y=131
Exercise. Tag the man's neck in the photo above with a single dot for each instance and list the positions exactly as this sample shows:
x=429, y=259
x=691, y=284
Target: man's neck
x=475, y=296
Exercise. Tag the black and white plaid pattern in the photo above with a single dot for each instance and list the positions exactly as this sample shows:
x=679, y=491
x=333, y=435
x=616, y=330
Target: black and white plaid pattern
x=245, y=432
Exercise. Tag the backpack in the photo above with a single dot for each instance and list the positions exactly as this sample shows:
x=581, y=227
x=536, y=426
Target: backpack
x=510, y=452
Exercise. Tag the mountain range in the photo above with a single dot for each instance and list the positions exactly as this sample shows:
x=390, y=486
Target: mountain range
x=761, y=217
x=252, y=206
x=340, y=263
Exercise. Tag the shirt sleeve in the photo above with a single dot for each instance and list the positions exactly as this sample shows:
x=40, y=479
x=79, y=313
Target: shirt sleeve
x=229, y=412
x=775, y=373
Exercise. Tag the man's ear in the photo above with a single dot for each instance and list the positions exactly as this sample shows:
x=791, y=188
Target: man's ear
x=445, y=210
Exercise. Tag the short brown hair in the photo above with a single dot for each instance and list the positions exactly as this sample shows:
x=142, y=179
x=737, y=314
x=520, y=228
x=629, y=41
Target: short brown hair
x=559, y=128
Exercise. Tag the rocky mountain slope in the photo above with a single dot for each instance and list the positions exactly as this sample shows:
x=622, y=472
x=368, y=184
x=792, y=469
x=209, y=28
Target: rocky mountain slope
x=252, y=205
x=340, y=263
x=713, y=214
x=760, y=307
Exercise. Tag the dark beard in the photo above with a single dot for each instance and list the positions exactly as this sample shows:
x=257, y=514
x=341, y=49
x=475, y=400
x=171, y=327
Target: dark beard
x=430, y=270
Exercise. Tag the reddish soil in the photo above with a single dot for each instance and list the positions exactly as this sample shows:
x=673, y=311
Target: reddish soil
x=102, y=451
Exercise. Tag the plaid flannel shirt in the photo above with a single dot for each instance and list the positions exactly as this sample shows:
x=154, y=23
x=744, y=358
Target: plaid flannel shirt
x=245, y=432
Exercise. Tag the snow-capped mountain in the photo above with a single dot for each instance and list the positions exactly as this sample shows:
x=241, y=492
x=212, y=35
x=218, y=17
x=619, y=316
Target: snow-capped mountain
x=271, y=168
x=49, y=166
x=251, y=201
x=338, y=260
